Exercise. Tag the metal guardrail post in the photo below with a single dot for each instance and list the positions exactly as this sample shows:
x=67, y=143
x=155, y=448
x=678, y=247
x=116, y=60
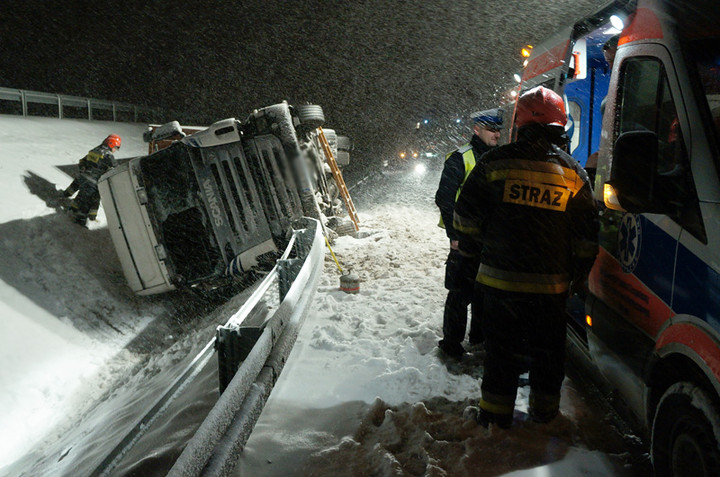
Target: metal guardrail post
x=89, y=103
x=304, y=244
x=287, y=270
x=24, y=103
x=60, y=106
x=214, y=448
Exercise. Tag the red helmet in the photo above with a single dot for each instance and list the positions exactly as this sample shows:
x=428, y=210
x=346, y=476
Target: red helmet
x=540, y=105
x=113, y=141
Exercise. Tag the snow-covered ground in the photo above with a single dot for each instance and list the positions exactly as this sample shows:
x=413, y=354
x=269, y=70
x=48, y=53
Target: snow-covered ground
x=364, y=391
x=65, y=312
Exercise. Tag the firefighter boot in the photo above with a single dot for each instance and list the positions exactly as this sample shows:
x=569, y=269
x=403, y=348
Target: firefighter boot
x=78, y=217
x=80, y=220
x=451, y=349
x=543, y=408
x=484, y=418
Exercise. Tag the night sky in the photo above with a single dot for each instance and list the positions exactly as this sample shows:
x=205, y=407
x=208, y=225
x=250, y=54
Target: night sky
x=376, y=67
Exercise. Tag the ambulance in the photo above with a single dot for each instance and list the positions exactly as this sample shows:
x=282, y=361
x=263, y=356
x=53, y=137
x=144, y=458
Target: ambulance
x=650, y=326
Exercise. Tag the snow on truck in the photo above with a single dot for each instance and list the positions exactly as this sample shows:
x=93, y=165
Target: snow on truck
x=211, y=203
x=650, y=330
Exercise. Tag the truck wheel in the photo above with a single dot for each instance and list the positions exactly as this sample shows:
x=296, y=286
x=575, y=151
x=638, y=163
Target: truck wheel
x=311, y=115
x=331, y=137
x=683, y=437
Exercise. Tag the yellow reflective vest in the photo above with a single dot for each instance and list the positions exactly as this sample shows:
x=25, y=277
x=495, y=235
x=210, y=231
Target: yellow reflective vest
x=469, y=162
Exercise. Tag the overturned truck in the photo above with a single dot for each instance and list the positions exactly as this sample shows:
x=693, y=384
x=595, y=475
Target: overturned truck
x=222, y=201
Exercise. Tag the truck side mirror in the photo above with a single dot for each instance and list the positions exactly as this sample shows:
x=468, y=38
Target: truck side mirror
x=635, y=158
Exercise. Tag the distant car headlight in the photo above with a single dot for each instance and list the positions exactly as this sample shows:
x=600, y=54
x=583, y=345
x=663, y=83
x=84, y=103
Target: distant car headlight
x=419, y=168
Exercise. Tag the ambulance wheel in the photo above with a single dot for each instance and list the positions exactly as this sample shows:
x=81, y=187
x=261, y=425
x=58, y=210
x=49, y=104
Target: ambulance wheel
x=311, y=115
x=683, y=441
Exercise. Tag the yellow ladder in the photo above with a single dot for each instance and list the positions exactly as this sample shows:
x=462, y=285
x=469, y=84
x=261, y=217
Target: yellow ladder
x=339, y=179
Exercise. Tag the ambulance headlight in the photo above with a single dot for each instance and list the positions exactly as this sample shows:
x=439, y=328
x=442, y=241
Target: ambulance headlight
x=610, y=198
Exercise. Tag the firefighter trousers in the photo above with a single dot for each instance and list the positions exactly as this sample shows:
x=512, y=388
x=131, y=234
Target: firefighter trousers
x=523, y=332
x=86, y=203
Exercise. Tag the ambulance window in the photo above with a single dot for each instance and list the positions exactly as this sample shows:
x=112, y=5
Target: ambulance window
x=646, y=104
x=638, y=109
x=707, y=59
x=672, y=155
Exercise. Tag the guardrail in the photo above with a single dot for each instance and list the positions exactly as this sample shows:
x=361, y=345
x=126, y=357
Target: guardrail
x=252, y=349
x=35, y=103
x=256, y=341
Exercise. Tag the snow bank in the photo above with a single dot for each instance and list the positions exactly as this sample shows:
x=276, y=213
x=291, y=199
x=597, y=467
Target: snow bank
x=365, y=391
x=60, y=285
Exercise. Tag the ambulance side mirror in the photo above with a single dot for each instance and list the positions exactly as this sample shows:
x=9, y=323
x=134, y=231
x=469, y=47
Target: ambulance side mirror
x=634, y=166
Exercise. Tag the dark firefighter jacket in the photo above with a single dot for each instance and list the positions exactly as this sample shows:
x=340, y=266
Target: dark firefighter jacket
x=528, y=210
x=456, y=170
x=98, y=161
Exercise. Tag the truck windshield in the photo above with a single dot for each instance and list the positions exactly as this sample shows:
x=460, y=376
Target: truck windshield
x=706, y=55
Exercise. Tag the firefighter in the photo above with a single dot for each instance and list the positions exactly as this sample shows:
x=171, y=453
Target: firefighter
x=98, y=161
x=460, y=271
x=527, y=210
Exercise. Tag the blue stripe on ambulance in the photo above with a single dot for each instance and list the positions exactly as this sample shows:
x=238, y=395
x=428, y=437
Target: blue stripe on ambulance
x=655, y=269
x=697, y=286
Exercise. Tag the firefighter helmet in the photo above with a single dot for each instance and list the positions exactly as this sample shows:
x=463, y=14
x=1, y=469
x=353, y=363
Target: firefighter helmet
x=540, y=105
x=113, y=141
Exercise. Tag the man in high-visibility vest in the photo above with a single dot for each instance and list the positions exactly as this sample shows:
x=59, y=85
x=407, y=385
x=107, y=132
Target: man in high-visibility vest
x=459, y=270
